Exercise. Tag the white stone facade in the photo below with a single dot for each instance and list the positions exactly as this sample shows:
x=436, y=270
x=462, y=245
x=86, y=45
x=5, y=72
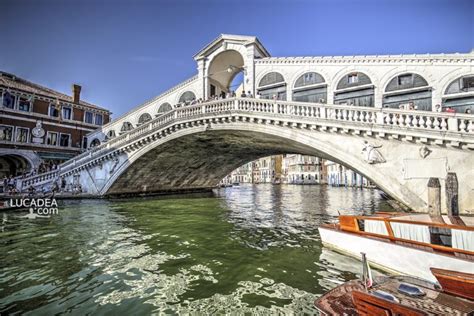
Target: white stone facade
x=227, y=55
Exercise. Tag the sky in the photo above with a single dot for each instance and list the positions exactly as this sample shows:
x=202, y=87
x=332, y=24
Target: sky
x=125, y=52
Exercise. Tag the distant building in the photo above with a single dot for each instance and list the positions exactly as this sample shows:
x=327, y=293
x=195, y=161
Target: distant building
x=302, y=169
x=40, y=127
x=338, y=175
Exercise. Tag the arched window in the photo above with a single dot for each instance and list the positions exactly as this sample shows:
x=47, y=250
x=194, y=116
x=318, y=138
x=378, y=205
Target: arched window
x=145, y=117
x=355, y=89
x=187, y=97
x=272, y=85
x=460, y=94
x=165, y=107
x=126, y=126
x=406, y=91
x=310, y=87
x=95, y=142
x=110, y=134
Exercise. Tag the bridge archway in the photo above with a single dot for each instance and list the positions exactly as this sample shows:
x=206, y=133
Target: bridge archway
x=222, y=70
x=199, y=157
x=14, y=165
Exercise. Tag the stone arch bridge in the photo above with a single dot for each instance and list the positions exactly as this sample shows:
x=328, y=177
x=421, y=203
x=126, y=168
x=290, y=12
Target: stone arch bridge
x=194, y=147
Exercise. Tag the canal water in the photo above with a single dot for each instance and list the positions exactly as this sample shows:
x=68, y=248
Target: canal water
x=251, y=248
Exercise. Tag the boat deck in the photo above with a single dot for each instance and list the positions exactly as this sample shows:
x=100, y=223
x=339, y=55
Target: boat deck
x=339, y=300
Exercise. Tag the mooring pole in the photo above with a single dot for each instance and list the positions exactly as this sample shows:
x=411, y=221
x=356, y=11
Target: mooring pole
x=452, y=194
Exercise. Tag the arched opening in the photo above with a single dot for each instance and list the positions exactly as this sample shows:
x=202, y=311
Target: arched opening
x=165, y=107
x=13, y=165
x=310, y=87
x=145, y=117
x=195, y=167
x=110, y=134
x=408, y=91
x=222, y=70
x=460, y=94
x=126, y=126
x=272, y=86
x=187, y=97
x=355, y=89
x=95, y=142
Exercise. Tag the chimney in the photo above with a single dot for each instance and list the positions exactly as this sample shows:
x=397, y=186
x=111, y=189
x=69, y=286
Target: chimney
x=76, y=93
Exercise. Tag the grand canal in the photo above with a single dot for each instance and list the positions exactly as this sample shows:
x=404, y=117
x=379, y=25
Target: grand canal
x=253, y=248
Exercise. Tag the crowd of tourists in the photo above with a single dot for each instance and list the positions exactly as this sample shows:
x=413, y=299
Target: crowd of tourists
x=223, y=95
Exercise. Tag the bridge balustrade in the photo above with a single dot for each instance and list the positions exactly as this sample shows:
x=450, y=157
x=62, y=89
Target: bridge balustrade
x=403, y=119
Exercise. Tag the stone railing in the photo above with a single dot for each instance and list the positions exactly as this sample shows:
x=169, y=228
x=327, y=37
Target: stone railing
x=37, y=179
x=456, y=124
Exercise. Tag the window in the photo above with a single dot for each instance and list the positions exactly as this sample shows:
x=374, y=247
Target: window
x=352, y=78
x=95, y=142
x=67, y=113
x=98, y=119
x=9, y=100
x=272, y=86
x=440, y=236
x=53, y=110
x=126, y=126
x=88, y=117
x=165, y=107
x=22, y=135
x=405, y=80
x=187, y=97
x=24, y=104
x=145, y=117
x=110, y=134
x=6, y=132
x=467, y=83
x=84, y=142
x=52, y=139
x=64, y=140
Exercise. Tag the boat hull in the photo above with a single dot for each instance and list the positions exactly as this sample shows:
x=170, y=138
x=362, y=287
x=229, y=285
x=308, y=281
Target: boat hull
x=393, y=257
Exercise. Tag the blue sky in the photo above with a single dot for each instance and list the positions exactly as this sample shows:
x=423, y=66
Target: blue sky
x=126, y=52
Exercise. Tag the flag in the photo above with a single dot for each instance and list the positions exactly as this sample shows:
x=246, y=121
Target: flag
x=366, y=272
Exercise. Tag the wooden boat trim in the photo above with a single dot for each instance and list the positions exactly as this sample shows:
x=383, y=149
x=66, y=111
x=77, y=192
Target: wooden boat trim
x=404, y=221
x=454, y=282
x=388, y=238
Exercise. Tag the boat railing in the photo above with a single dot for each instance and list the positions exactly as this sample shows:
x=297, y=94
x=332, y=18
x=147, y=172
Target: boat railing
x=449, y=238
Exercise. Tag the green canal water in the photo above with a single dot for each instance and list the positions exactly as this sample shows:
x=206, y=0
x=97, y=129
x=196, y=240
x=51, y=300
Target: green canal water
x=251, y=249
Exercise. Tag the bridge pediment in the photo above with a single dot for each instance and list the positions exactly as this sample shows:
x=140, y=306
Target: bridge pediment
x=225, y=41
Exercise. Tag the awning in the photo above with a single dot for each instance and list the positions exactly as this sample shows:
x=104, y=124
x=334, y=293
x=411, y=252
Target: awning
x=55, y=155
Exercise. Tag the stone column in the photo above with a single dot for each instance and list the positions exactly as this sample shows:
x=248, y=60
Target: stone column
x=452, y=203
x=434, y=197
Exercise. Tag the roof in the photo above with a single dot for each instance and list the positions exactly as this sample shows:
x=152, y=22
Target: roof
x=14, y=82
x=244, y=39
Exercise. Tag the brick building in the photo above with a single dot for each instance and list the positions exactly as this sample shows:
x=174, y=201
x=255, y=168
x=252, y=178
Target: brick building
x=41, y=127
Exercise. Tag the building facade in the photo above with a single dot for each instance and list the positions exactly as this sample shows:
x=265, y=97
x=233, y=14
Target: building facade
x=40, y=127
x=413, y=81
x=302, y=169
x=338, y=175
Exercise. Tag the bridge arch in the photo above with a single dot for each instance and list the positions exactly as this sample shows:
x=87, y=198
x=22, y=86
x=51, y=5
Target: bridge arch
x=199, y=158
x=222, y=70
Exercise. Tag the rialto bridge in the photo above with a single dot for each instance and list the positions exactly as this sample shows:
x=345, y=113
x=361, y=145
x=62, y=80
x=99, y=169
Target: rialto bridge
x=352, y=110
